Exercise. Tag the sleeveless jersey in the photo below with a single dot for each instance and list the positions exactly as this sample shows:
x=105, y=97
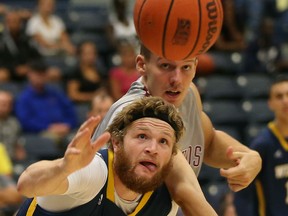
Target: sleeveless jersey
x=156, y=203
x=192, y=142
x=272, y=182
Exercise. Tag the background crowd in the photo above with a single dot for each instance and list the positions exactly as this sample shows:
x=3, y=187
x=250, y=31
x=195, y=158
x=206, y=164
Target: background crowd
x=64, y=60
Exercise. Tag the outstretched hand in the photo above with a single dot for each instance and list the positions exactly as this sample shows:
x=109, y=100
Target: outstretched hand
x=82, y=149
x=247, y=166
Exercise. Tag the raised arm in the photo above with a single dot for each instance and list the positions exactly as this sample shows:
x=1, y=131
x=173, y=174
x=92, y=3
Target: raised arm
x=239, y=164
x=185, y=190
x=50, y=177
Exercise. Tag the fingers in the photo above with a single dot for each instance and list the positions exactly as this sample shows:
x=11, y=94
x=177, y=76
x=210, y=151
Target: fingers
x=101, y=141
x=91, y=123
x=234, y=155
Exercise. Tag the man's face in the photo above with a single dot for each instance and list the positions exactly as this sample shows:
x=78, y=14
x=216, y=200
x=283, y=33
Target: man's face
x=167, y=79
x=278, y=101
x=144, y=159
x=5, y=104
x=101, y=106
x=13, y=22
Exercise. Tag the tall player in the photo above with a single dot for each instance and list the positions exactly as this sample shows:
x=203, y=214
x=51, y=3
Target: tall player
x=172, y=80
x=272, y=144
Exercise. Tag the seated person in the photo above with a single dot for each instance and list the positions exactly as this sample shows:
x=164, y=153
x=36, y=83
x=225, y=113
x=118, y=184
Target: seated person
x=123, y=75
x=88, y=77
x=42, y=109
x=100, y=105
x=48, y=31
x=10, y=127
x=16, y=49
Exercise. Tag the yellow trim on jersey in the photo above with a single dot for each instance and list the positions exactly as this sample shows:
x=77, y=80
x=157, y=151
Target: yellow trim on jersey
x=110, y=187
x=32, y=207
x=110, y=184
x=279, y=136
x=261, y=200
x=142, y=203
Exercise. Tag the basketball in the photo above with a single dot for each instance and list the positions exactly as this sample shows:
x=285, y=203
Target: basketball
x=178, y=29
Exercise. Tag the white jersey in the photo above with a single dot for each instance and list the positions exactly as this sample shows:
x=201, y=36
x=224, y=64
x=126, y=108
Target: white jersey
x=192, y=142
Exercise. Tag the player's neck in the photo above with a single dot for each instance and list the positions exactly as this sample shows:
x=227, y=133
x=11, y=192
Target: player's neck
x=122, y=191
x=282, y=126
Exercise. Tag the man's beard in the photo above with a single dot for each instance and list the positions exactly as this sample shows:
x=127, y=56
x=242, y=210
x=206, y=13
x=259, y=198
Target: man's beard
x=126, y=173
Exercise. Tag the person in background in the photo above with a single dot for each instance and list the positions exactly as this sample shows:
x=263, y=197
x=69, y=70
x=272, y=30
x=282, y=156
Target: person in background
x=10, y=198
x=126, y=179
x=88, y=78
x=100, y=105
x=123, y=75
x=227, y=207
x=10, y=128
x=48, y=31
x=16, y=49
x=121, y=24
x=269, y=196
x=42, y=109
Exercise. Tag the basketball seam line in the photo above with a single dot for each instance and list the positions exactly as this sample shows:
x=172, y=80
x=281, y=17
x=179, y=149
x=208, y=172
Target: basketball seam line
x=165, y=28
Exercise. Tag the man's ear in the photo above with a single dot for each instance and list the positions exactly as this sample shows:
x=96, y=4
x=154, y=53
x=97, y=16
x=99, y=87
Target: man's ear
x=140, y=64
x=115, y=144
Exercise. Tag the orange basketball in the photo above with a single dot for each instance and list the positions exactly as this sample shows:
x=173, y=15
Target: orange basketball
x=178, y=29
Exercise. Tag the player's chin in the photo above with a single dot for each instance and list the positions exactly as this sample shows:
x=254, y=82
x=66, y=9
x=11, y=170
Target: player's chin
x=173, y=99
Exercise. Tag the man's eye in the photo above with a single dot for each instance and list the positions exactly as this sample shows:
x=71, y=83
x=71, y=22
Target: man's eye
x=187, y=67
x=164, y=141
x=142, y=136
x=165, y=66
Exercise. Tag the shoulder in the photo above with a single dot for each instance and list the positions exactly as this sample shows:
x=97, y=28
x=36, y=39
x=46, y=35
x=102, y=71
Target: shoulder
x=263, y=139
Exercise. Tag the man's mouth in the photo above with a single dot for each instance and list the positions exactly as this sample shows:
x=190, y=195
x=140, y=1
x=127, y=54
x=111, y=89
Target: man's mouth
x=149, y=165
x=173, y=93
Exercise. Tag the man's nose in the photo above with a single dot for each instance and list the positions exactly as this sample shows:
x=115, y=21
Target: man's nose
x=151, y=146
x=176, y=76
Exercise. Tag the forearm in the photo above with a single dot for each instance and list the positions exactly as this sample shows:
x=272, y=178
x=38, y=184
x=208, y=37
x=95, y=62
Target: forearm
x=215, y=153
x=43, y=178
x=185, y=190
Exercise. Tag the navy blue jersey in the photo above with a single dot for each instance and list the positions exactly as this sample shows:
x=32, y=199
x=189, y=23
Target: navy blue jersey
x=156, y=203
x=272, y=182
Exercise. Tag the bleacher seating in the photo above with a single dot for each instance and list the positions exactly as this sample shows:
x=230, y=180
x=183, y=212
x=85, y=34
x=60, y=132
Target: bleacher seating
x=218, y=87
x=39, y=148
x=254, y=85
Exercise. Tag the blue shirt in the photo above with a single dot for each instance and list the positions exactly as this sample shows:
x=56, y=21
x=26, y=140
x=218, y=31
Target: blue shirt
x=37, y=110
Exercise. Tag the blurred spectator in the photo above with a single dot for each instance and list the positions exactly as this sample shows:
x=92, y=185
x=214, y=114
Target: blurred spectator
x=272, y=144
x=10, y=199
x=100, y=105
x=226, y=54
x=3, y=9
x=227, y=207
x=10, y=128
x=88, y=79
x=122, y=76
x=122, y=24
x=6, y=166
x=48, y=31
x=263, y=54
x=43, y=109
x=15, y=49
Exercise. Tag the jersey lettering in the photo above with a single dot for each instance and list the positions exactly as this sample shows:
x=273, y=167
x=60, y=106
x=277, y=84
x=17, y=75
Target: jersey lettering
x=193, y=155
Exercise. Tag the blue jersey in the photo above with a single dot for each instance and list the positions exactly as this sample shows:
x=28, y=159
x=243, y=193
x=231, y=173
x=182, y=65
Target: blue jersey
x=156, y=203
x=271, y=184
